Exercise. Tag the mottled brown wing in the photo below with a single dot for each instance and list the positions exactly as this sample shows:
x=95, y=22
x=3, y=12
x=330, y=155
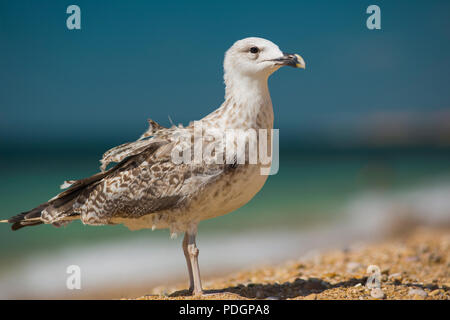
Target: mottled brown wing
x=145, y=184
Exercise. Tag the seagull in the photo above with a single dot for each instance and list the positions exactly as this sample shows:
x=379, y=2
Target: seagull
x=145, y=188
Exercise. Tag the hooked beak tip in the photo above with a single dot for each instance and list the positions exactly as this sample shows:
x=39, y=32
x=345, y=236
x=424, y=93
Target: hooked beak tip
x=300, y=63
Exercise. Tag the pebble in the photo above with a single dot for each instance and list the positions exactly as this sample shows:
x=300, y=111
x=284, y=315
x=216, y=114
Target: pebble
x=272, y=298
x=423, y=248
x=419, y=292
x=412, y=259
x=353, y=267
x=395, y=276
x=312, y=296
x=377, y=293
x=330, y=274
x=436, y=292
x=435, y=258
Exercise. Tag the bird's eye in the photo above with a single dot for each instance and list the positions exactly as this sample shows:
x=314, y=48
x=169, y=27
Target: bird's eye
x=254, y=50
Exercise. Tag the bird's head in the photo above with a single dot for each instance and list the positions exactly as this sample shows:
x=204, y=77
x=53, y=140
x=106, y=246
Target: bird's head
x=257, y=57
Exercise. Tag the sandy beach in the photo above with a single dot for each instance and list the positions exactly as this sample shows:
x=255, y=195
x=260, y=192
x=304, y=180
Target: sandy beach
x=413, y=265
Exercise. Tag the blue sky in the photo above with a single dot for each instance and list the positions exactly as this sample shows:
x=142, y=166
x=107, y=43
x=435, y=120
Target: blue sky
x=135, y=60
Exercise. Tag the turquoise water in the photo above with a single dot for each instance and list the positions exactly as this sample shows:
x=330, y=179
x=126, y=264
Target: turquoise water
x=312, y=187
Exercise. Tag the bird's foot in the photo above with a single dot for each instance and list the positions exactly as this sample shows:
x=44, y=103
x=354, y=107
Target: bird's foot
x=197, y=292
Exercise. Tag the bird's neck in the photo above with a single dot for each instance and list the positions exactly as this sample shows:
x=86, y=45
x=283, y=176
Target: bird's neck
x=247, y=104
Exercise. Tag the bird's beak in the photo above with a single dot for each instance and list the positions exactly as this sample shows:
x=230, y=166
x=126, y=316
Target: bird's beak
x=292, y=60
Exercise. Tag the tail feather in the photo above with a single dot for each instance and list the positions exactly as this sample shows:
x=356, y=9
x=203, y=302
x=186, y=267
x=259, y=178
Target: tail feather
x=60, y=206
x=59, y=210
x=28, y=218
x=18, y=225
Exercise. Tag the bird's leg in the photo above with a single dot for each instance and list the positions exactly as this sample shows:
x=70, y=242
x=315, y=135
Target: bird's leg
x=193, y=255
x=188, y=261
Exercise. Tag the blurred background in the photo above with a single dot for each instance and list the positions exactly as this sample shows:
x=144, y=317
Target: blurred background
x=364, y=130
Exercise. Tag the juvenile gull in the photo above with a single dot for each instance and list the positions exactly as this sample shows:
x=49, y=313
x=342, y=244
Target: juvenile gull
x=147, y=189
